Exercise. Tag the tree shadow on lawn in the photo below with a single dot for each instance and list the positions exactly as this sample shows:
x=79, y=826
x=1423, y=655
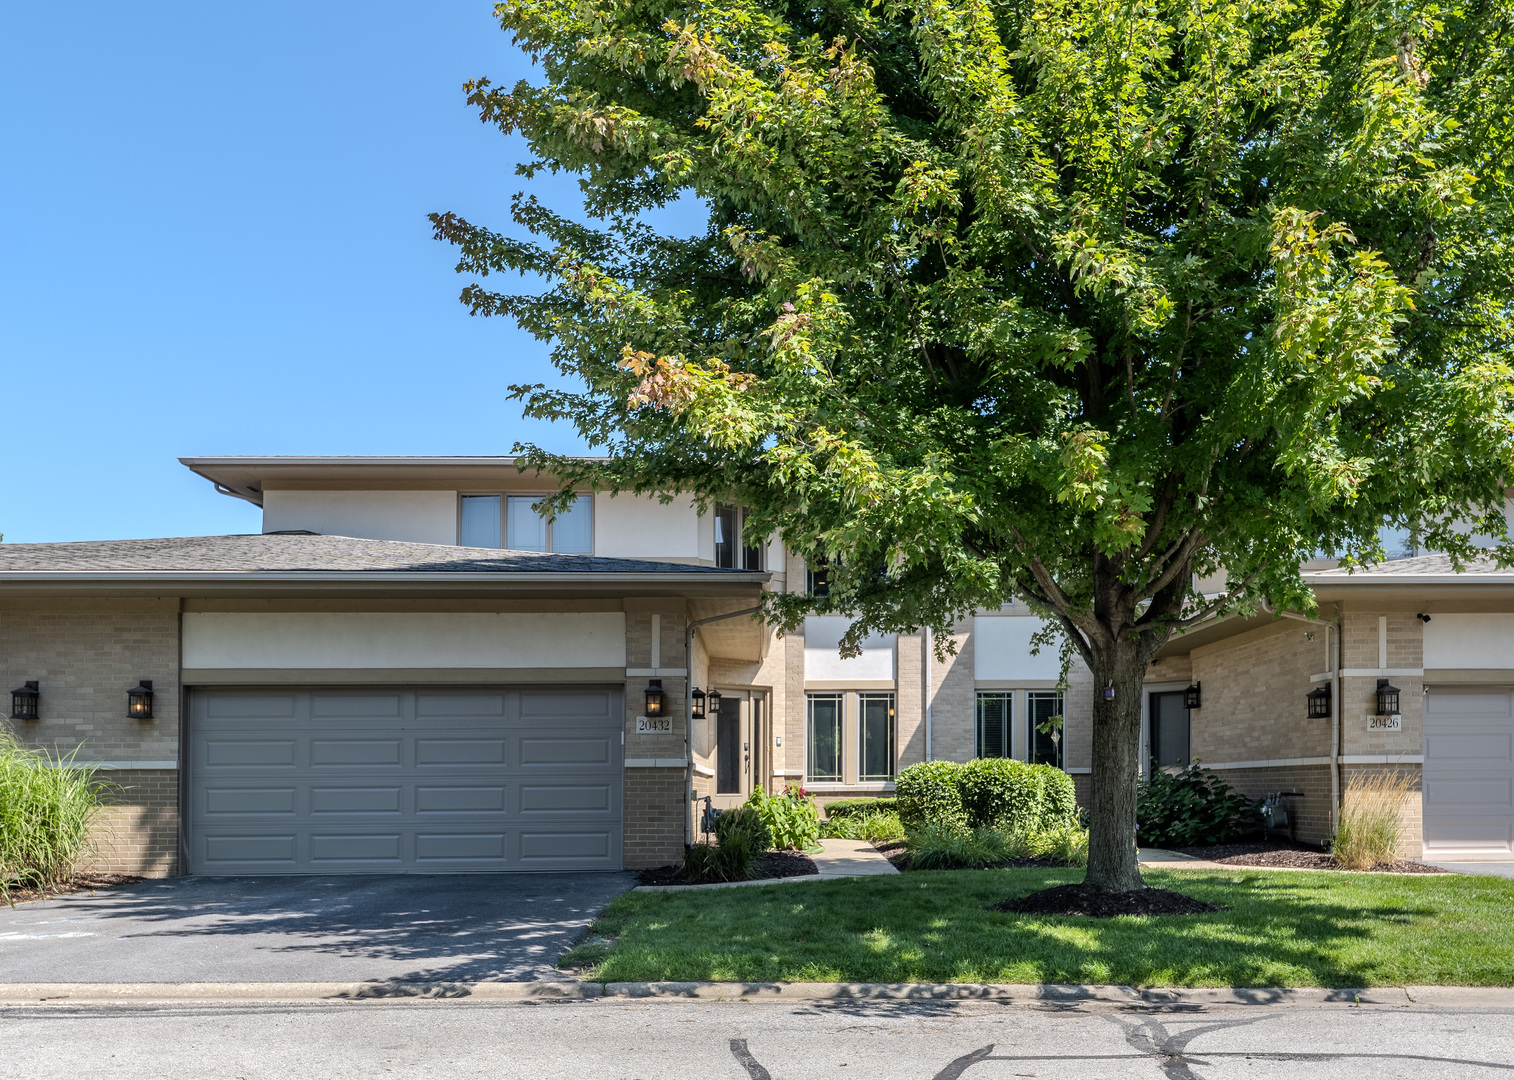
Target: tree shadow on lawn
x=1281, y=929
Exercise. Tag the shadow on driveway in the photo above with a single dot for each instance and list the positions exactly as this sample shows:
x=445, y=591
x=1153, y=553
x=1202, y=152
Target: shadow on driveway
x=464, y=927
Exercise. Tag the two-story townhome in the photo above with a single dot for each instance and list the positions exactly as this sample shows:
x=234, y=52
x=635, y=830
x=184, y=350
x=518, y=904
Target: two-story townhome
x=410, y=670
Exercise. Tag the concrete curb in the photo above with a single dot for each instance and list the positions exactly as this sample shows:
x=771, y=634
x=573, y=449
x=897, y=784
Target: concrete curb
x=1022, y=995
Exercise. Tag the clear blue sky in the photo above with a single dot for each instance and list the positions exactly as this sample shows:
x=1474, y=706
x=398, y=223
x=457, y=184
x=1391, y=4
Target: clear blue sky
x=213, y=240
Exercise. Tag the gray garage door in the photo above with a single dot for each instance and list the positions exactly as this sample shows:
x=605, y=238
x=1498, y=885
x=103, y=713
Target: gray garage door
x=1469, y=771
x=404, y=781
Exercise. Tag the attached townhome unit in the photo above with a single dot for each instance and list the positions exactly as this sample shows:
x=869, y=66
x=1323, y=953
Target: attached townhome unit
x=411, y=670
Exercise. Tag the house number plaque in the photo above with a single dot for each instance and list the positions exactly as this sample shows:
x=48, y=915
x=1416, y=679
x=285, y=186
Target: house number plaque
x=1385, y=723
x=654, y=725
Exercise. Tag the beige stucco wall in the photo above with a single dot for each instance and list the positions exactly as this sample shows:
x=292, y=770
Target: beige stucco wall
x=424, y=517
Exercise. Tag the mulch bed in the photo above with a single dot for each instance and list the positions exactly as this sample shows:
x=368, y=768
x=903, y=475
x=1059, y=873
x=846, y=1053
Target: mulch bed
x=1281, y=853
x=1080, y=899
x=775, y=864
x=79, y=883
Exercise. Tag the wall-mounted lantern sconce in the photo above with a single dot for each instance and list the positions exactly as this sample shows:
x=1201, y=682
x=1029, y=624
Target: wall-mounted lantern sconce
x=655, y=698
x=24, y=700
x=139, y=701
x=714, y=702
x=1319, y=702
x=1387, y=698
x=697, y=704
x=1191, y=697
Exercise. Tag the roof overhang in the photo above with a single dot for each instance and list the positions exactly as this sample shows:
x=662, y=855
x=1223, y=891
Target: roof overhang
x=248, y=477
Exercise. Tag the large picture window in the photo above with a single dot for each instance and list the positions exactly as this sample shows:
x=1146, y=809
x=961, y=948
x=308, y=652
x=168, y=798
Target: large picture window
x=485, y=520
x=876, y=727
x=995, y=713
x=824, y=756
x=1046, y=741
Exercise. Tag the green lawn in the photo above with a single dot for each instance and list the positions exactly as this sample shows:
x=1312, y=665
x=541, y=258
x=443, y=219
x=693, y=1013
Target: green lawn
x=1282, y=929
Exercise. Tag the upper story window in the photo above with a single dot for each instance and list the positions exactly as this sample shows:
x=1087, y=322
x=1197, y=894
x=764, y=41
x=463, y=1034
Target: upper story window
x=484, y=520
x=730, y=552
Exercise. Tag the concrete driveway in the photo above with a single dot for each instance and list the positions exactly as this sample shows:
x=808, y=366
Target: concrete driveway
x=475, y=927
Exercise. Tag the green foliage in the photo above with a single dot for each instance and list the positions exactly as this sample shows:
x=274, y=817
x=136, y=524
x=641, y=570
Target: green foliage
x=46, y=808
x=928, y=794
x=936, y=848
x=791, y=819
x=741, y=836
x=1177, y=808
x=849, y=807
x=1053, y=301
x=878, y=827
x=1372, y=804
x=996, y=793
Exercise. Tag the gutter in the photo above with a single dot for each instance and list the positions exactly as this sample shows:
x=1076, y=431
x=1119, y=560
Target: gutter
x=377, y=576
x=688, y=713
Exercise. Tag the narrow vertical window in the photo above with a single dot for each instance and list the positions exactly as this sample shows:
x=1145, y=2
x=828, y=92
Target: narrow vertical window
x=995, y=712
x=478, y=523
x=573, y=531
x=525, y=529
x=1047, y=744
x=824, y=723
x=726, y=538
x=876, y=728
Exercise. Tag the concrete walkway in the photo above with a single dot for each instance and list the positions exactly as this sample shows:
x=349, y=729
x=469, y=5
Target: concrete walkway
x=839, y=859
x=1489, y=868
x=1162, y=859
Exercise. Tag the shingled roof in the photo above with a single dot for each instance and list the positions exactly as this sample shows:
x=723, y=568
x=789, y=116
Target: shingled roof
x=1419, y=567
x=286, y=553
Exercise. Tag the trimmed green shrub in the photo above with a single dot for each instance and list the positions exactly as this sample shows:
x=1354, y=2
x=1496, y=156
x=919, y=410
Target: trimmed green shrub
x=46, y=808
x=851, y=807
x=936, y=848
x=1192, y=806
x=740, y=837
x=927, y=794
x=997, y=793
x=791, y=818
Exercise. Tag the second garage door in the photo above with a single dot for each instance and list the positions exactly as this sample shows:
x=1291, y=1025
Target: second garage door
x=404, y=780
x=1469, y=771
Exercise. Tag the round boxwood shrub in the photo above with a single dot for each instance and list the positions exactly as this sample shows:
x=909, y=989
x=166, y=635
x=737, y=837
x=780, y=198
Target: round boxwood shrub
x=994, y=793
x=860, y=807
x=927, y=794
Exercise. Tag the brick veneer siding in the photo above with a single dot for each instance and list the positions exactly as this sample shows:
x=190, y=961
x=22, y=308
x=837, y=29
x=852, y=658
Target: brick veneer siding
x=954, y=701
x=1311, y=809
x=654, y=817
x=138, y=830
x=1411, y=813
x=86, y=655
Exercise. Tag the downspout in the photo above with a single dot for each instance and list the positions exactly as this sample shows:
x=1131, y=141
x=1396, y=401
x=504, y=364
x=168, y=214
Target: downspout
x=929, y=697
x=688, y=715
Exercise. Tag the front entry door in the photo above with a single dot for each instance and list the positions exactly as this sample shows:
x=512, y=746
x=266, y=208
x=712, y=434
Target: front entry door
x=1169, y=729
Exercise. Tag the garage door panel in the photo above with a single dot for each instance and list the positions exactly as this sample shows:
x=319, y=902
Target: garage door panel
x=459, y=751
x=460, y=800
x=560, y=846
x=234, y=801
x=248, y=851
x=250, y=753
x=490, y=705
x=565, y=798
x=1469, y=772
x=407, y=781
x=574, y=752
x=326, y=752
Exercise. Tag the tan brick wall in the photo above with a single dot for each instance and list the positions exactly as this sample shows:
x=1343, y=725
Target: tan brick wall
x=1311, y=809
x=1411, y=814
x=138, y=831
x=1254, y=689
x=909, y=700
x=86, y=656
x=954, y=705
x=654, y=817
x=1359, y=694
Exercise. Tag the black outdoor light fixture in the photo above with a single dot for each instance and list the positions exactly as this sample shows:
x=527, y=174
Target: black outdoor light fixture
x=139, y=701
x=1191, y=697
x=1319, y=702
x=1387, y=698
x=714, y=702
x=696, y=706
x=24, y=700
x=655, y=698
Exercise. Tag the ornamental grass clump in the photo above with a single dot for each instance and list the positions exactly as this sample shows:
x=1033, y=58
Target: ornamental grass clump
x=47, y=805
x=1367, y=833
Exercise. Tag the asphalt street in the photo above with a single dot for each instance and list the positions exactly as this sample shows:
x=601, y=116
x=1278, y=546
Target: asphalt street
x=608, y=1040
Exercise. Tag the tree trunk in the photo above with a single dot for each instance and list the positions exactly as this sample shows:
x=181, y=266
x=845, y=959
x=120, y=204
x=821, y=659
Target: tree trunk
x=1112, y=861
